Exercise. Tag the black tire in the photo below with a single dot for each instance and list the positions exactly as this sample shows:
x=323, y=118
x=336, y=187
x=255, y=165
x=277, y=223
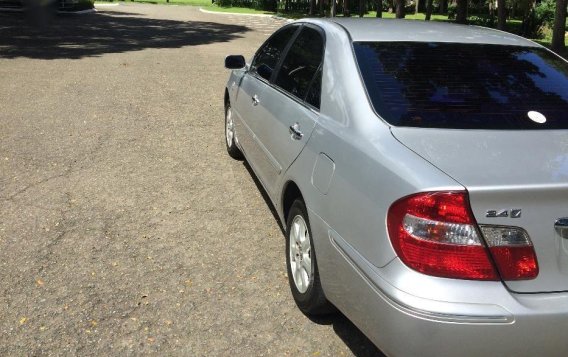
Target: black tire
x=232, y=148
x=312, y=299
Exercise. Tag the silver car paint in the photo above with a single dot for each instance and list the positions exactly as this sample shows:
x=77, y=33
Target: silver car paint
x=418, y=31
x=526, y=170
x=404, y=312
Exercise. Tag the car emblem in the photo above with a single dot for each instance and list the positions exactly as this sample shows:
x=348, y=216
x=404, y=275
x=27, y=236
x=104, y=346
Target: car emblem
x=513, y=213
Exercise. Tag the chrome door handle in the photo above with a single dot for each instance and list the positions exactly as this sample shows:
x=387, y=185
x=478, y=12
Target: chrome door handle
x=561, y=227
x=295, y=131
x=255, y=100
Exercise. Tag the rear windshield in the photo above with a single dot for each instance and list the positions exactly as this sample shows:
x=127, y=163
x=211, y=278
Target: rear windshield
x=459, y=86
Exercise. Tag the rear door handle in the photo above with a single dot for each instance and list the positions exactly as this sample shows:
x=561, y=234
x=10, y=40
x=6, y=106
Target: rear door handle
x=295, y=131
x=255, y=100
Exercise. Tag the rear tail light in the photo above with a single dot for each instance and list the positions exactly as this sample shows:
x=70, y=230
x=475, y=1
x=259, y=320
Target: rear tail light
x=435, y=233
x=512, y=251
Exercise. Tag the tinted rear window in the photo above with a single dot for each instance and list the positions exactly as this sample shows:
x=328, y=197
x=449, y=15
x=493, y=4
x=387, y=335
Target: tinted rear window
x=446, y=85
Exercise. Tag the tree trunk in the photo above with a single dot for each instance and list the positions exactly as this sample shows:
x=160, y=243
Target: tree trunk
x=417, y=5
x=333, y=8
x=312, y=7
x=461, y=11
x=428, y=10
x=501, y=14
x=443, y=6
x=379, y=8
x=513, y=10
x=361, y=8
x=346, y=11
x=559, y=31
x=287, y=6
x=321, y=10
x=400, y=9
x=528, y=18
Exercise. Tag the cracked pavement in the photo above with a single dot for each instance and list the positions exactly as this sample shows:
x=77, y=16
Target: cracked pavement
x=125, y=228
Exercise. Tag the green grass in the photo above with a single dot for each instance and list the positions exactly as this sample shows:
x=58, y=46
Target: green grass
x=205, y=4
x=202, y=3
x=236, y=10
x=419, y=16
x=547, y=40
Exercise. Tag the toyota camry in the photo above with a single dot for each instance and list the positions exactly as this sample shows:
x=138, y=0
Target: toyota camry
x=420, y=172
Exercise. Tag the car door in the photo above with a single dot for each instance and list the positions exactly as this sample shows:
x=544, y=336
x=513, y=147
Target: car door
x=290, y=105
x=248, y=106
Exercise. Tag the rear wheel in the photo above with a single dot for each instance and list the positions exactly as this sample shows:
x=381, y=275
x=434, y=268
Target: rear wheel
x=230, y=137
x=303, y=274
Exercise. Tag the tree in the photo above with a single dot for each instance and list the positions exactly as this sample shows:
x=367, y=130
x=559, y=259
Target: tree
x=379, y=4
x=559, y=30
x=461, y=11
x=400, y=9
x=346, y=11
x=312, y=7
x=361, y=8
x=501, y=14
x=428, y=10
x=443, y=6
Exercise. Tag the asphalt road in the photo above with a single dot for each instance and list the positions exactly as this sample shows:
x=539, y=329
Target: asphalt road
x=125, y=228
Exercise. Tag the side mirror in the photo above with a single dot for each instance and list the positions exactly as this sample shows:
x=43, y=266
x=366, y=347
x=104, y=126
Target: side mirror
x=235, y=62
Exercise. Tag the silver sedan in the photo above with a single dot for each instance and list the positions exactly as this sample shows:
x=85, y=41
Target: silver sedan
x=421, y=173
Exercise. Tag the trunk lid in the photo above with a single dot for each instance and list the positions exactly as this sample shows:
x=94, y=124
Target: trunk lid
x=504, y=171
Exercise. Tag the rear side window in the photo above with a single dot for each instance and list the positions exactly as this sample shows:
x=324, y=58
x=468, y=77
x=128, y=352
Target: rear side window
x=447, y=85
x=314, y=93
x=298, y=71
x=269, y=54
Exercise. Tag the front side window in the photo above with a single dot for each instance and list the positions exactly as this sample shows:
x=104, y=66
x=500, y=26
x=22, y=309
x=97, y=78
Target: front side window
x=465, y=86
x=269, y=54
x=298, y=71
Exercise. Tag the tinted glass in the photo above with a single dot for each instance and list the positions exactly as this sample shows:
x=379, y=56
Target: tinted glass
x=301, y=63
x=269, y=54
x=314, y=93
x=444, y=85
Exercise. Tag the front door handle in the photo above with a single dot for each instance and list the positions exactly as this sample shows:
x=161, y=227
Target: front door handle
x=255, y=100
x=295, y=131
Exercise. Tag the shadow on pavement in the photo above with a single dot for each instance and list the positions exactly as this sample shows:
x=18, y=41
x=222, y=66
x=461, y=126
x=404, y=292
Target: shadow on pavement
x=95, y=34
x=353, y=338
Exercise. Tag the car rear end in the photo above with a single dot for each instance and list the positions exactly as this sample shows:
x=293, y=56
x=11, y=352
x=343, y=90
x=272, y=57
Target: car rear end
x=481, y=270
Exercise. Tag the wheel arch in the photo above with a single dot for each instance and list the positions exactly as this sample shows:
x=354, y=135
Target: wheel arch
x=227, y=99
x=290, y=193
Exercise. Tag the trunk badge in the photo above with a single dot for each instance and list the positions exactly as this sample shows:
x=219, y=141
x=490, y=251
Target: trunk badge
x=513, y=213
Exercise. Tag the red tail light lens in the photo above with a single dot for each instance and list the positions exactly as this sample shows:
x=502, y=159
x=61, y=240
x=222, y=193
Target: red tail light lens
x=435, y=234
x=512, y=251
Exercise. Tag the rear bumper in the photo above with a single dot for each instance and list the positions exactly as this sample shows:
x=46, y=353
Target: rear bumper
x=408, y=314
x=411, y=332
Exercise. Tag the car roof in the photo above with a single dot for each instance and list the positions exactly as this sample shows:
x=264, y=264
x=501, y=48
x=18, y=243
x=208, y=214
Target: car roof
x=398, y=30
